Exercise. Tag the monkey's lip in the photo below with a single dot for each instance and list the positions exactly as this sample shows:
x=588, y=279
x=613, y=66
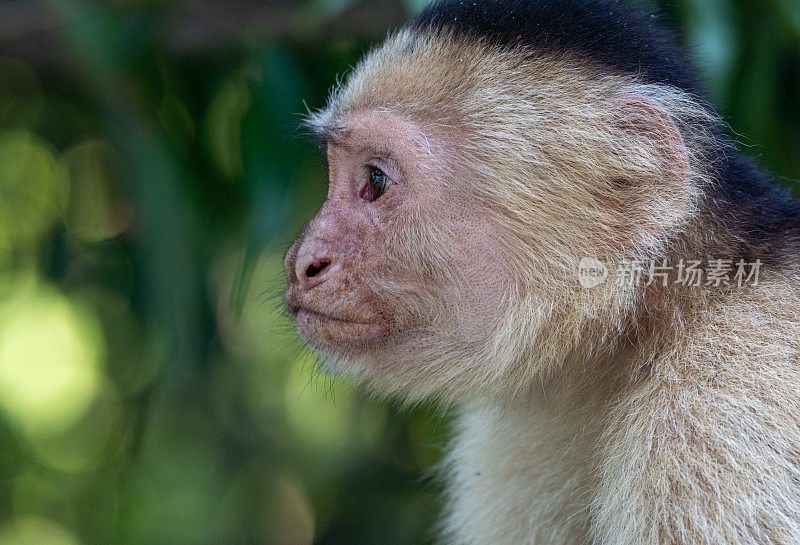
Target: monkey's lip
x=321, y=329
x=322, y=316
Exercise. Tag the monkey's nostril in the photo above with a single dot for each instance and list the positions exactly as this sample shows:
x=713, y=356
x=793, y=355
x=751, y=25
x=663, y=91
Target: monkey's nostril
x=315, y=268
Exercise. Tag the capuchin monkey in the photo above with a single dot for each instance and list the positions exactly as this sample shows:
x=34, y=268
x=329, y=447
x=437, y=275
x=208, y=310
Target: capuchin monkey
x=535, y=217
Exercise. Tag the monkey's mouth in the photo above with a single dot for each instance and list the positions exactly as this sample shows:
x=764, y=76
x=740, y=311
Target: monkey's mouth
x=303, y=312
x=323, y=330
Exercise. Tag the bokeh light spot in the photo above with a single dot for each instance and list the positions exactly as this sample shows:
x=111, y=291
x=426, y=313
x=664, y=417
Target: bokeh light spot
x=89, y=442
x=95, y=213
x=293, y=515
x=50, y=354
x=33, y=188
x=36, y=531
x=223, y=125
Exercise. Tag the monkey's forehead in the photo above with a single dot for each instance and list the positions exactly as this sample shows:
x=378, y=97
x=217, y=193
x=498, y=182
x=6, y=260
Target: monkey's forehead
x=442, y=79
x=616, y=35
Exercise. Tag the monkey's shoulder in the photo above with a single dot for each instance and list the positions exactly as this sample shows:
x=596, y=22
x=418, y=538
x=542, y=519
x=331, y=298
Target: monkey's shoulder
x=747, y=340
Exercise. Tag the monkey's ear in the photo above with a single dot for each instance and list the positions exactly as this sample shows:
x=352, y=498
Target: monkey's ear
x=651, y=181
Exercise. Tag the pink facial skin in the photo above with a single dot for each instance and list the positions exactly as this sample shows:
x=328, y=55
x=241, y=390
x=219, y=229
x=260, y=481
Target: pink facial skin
x=393, y=274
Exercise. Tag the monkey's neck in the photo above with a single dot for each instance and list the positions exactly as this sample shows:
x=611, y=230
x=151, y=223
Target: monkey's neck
x=516, y=473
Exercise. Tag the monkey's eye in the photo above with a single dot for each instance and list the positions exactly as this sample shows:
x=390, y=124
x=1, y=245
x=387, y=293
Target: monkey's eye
x=377, y=184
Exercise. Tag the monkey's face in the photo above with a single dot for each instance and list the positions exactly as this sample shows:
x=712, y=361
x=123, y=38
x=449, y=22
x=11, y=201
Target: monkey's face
x=466, y=185
x=397, y=269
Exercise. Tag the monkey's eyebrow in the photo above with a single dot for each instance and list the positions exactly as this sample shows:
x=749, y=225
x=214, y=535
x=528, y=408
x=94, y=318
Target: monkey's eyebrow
x=328, y=134
x=338, y=134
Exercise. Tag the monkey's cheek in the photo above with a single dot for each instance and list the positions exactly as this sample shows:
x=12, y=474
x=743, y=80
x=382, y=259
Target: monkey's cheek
x=340, y=336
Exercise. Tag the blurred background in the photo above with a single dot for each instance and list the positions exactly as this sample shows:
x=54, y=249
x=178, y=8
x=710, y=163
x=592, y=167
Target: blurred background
x=151, y=177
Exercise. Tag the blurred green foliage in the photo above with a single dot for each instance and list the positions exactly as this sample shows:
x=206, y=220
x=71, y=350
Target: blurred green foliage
x=151, y=175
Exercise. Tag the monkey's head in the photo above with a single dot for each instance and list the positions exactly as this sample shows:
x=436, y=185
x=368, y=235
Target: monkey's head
x=471, y=168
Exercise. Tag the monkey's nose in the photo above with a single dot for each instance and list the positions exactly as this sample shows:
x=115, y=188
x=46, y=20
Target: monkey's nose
x=312, y=269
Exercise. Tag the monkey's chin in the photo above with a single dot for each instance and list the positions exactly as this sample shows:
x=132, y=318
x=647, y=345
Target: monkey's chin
x=328, y=333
